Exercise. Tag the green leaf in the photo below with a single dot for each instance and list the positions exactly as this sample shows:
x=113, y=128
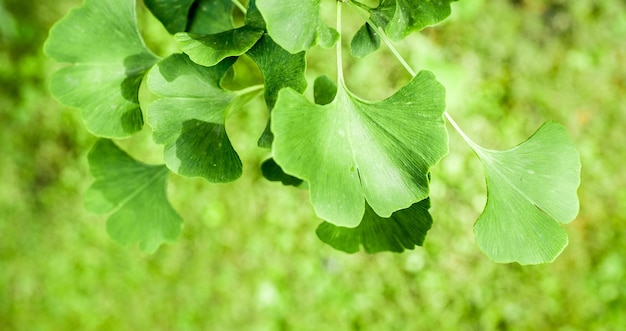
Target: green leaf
x=201, y=16
x=172, y=13
x=210, y=16
x=102, y=40
x=405, y=229
x=296, y=25
x=324, y=90
x=414, y=15
x=208, y=50
x=272, y=172
x=364, y=42
x=351, y=150
x=189, y=118
x=135, y=194
x=280, y=69
x=530, y=187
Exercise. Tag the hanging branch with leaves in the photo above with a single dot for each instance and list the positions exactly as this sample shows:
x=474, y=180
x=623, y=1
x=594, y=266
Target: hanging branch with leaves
x=365, y=164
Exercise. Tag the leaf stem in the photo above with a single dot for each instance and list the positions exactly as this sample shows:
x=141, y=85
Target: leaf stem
x=381, y=33
x=250, y=89
x=359, y=4
x=340, y=81
x=240, y=6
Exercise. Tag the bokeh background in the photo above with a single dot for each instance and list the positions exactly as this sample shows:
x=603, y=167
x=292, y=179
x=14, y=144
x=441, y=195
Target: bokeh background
x=248, y=258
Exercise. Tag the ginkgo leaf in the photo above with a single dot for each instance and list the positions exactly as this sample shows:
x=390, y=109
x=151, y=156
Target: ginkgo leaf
x=172, y=13
x=208, y=50
x=367, y=40
x=414, y=15
x=135, y=195
x=273, y=172
x=324, y=90
x=531, y=189
x=201, y=16
x=110, y=59
x=296, y=25
x=280, y=69
x=405, y=229
x=351, y=151
x=189, y=118
x=210, y=16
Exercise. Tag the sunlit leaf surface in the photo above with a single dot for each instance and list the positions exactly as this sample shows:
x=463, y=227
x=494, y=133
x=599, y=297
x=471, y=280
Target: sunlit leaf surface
x=351, y=151
x=296, y=25
x=135, y=195
x=189, y=118
x=531, y=189
x=110, y=59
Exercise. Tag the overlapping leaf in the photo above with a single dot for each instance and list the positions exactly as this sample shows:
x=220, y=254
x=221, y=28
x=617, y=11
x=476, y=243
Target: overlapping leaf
x=405, y=229
x=209, y=49
x=531, y=189
x=110, y=59
x=324, y=91
x=172, y=13
x=351, y=151
x=398, y=18
x=135, y=194
x=367, y=40
x=197, y=16
x=296, y=25
x=189, y=118
x=280, y=69
x=414, y=15
x=274, y=173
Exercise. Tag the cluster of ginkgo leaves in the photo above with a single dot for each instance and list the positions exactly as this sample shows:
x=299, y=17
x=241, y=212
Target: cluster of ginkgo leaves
x=366, y=164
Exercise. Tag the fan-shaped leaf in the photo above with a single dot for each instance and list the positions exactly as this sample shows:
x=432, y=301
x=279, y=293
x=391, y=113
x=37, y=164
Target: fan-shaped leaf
x=351, y=151
x=208, y=50
x=296, y=25
x=110, y=59
x=280, y=69
x=414, y=15
x=403, y=230
x=531, y=187
x=189, y=118
x=135, y=194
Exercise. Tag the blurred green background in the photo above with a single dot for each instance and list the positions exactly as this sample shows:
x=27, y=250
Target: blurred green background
x=249, y=259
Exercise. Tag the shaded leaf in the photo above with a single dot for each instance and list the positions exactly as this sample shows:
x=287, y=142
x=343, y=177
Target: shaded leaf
x=208, y=50
x=531, y=187
x=324, y=90
x=110, y=59
x=280, y=69
x=351, y=151
x=210, y=16
x=273, y=172
x=189, y=118
x=171, y=13
x=364, y=42
x=135, y=194
x=200, y=16
x=405, y=229
x=414, y=15
x=296, y=25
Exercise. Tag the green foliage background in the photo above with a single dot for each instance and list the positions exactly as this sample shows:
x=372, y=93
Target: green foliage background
x=248, y=258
